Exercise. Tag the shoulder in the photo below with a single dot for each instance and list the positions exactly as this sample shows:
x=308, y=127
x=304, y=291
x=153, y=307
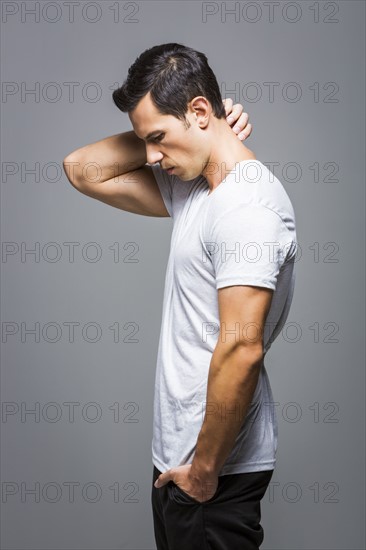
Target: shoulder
x=251, y=187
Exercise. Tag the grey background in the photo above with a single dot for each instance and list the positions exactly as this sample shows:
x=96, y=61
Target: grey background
x=316, y=498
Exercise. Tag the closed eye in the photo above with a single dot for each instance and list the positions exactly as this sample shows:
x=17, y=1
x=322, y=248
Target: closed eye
x=158, y=138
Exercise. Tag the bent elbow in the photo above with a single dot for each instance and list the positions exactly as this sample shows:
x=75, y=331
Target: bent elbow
x=71, y=166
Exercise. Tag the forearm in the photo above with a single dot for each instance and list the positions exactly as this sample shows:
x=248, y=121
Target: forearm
x=231, y=384
x=108, y=158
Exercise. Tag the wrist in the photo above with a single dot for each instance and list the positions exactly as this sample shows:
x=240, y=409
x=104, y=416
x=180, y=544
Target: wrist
x=203, y=469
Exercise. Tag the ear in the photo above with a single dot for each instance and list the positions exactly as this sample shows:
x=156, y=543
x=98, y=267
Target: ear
x=201, y=109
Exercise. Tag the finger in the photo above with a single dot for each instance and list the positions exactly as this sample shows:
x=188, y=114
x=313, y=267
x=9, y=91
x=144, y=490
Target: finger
x=162, y=480
x=228, y=105
x=245, y=133
x=241, y=123
x=236, y=112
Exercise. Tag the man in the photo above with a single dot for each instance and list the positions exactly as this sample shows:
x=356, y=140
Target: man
x=228, y=289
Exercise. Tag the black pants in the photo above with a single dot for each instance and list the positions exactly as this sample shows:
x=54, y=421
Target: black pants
x=228, y=521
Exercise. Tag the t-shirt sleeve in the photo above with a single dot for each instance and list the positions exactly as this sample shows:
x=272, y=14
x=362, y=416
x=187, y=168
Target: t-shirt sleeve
x=248, y=245
x=165, y=183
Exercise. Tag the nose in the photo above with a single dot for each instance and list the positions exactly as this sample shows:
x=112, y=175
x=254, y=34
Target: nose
x=153, y=154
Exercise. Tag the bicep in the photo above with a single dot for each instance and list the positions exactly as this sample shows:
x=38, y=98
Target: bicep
x=136, y=191
x=243, y=311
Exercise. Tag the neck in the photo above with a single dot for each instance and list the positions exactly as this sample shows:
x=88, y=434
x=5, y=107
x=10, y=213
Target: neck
x=225, y=154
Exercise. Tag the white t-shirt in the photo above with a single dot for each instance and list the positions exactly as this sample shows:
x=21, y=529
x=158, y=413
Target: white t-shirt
x=242, y=233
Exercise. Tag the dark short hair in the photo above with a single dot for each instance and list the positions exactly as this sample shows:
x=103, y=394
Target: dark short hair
x=173, y=74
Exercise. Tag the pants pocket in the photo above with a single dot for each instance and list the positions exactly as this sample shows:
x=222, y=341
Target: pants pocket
x=181, y=497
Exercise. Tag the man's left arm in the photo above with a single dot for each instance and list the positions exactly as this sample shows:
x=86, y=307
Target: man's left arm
x=233, y=376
